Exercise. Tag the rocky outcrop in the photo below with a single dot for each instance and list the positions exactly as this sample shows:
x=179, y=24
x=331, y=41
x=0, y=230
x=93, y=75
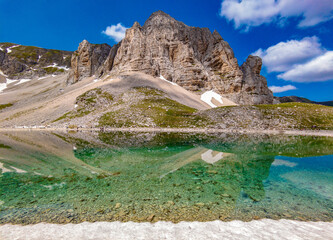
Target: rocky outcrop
x=192, y=57
x=18, y=61
x=254, y=86
x=87, y=60
x=189, y=56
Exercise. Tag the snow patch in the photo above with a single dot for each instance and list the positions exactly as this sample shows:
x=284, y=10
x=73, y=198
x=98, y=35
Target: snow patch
x=209, y=95
x=55, y=65
x=17, y=170
x=59, y=185
x=23, y=81
x=260, y=229
x=161, y=77
x=42, y=78
x=4, y=170
x=209, y=158
x=9, y=50
x=3, y=86
x=279, y=162
x=1, y=73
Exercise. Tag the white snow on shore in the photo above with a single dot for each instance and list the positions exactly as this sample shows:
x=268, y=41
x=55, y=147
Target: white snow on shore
x=260, y=229
x=163, y=78
x=209, y=95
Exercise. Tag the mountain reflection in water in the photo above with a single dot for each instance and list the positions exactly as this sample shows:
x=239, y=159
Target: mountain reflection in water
x=74, y=177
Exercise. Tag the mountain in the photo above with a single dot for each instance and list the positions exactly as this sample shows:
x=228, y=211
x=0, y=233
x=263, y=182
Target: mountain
x=191, y=57
x=18, y=61
x=162, y=74
x=287, y=99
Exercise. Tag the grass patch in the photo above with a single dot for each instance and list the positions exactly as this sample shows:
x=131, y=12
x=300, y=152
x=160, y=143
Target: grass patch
x=3, y=106
x=50, y=70
x=4, y=146
x=307, y=116
x=87, y=103
x=154, y=110
x=25, y=52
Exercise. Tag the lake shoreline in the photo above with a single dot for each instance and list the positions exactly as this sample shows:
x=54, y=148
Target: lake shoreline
x=256, y=229
x=324, y=133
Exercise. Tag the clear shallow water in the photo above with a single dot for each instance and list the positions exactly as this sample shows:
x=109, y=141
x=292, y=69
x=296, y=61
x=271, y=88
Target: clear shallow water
x=76, y=177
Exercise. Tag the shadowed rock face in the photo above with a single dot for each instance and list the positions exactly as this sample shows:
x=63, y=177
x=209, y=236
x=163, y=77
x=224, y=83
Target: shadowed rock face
x=192, y=57
x=254, y=85
x=86, y=60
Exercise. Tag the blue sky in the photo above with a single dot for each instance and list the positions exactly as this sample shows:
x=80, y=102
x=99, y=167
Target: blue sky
x=293, y=37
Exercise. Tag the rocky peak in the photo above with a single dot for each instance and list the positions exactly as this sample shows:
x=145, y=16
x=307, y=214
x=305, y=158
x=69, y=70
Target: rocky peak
x=86, y=60
x=254, y=85
x=159, y=18
x=192, y=57
x=254, y=63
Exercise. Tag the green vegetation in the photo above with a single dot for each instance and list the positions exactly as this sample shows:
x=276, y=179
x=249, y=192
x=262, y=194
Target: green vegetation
x=4, y=146
x=7, y=45
x=2, y=106
x=87, y=103
x=154, y=110
x=50, y=70
x=307, y=116
x=73, y=114
x=25, y=52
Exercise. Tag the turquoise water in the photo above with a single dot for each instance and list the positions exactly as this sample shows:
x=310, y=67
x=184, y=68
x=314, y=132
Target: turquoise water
x=95, y=176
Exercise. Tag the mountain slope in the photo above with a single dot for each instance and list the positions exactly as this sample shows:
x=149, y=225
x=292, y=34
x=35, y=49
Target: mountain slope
x=18, y=61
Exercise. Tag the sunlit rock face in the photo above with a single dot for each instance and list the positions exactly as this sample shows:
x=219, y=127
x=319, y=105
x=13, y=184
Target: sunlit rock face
x=192, y=57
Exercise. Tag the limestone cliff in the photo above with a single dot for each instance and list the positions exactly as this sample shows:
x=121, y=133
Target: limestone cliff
x=192, y=57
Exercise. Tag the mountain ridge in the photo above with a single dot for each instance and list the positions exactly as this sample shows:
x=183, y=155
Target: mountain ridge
x=287, y=99
x=19, y=61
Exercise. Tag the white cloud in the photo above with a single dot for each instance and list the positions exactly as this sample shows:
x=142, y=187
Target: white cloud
x=299, y=61
x=318, y=69
x=276, y=89
x=116, y=32
x=251, y=13
x=284, y=55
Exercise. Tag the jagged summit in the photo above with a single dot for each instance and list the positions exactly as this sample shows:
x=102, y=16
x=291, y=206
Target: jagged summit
x=158, y=15
x=193, y=57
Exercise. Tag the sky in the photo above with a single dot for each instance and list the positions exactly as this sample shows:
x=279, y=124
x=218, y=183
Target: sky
x=294, y=38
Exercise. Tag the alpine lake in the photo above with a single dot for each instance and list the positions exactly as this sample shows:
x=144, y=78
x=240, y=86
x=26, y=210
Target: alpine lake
x=73, y=177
